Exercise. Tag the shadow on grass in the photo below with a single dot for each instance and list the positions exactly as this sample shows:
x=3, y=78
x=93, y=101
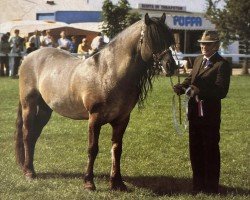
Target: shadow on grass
x=166, y=185
x=160, y=185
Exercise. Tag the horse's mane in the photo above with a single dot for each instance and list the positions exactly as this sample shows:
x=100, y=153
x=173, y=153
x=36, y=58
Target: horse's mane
x=160, y=39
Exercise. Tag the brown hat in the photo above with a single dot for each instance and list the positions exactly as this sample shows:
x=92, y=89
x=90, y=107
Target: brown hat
x=209, y=36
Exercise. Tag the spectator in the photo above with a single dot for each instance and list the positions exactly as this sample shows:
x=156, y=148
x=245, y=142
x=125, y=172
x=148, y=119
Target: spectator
x=43, y=34
x=32, y=47
x=179, y=60
x=8, y=35
x=4, y=59
x=16, y=44
x=35, y=39
x=63, y=42
x=97, y=43
x=48, y=40
x=83, y=47
x=73, y=45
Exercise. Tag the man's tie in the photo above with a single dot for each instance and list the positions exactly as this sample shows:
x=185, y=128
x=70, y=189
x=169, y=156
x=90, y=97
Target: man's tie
x=203, y=65
x=204, y=62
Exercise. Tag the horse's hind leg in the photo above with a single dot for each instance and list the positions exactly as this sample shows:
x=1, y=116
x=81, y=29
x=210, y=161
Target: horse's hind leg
x=119, y=127
x=93, y=137
x=36, y=114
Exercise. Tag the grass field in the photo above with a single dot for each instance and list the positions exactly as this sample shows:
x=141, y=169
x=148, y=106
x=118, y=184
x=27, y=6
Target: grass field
x=155, y=161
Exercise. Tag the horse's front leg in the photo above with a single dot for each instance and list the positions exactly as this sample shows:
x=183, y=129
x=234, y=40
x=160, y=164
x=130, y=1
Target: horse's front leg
x=119, y=127
x=94, y=131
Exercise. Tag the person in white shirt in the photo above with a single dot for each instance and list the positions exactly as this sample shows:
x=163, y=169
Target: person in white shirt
x=178, y=57
x=35, y=39
x=16, y=44
x=43, y=34
x=48, y=40
x=63, y=42
x=97, y=43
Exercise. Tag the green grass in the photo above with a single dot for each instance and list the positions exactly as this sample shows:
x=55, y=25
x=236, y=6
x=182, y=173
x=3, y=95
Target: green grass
x=155, y=161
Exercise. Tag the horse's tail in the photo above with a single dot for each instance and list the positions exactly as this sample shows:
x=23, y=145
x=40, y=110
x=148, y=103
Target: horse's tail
x=19, y=146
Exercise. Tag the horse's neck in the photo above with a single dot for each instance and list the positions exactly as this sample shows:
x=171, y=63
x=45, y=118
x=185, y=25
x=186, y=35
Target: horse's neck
x=128, y=39
x=125, y=51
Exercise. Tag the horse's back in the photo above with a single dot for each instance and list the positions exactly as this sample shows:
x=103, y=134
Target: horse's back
x=47, y=66
x=47, y=58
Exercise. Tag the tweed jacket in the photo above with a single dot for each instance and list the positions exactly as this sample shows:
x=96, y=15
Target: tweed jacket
x=213, y=83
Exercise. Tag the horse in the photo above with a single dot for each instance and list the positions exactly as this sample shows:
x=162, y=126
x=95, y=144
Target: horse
x=102, y=89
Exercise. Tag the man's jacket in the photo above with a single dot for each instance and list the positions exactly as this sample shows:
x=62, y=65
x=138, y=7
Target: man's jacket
x=213, y=83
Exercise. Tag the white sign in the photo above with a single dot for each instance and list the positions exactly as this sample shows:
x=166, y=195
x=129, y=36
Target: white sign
x=187, y=22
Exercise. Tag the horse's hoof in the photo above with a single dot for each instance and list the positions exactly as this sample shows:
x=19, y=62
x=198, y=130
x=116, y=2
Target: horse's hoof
x=118, y=187
x=89, y=185
x=30, y=176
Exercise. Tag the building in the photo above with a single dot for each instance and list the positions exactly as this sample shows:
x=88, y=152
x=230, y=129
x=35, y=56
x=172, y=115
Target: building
x=187, y=26
x=185, y=17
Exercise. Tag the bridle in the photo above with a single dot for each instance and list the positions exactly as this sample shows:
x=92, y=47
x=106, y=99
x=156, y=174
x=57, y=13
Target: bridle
x=157, y=57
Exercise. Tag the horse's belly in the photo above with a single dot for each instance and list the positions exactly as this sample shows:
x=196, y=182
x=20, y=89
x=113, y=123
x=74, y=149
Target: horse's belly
x=65, y=107
x=70, y=112
x=73, y=114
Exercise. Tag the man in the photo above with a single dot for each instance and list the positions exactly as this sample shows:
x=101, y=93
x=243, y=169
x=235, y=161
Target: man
x=42, y=38
x=48, y=40
x=73, y=45
x=4, y=59
x=35, y=39
x=63, y=42
x=16, y=44
x=97, y=43
x=207, y=84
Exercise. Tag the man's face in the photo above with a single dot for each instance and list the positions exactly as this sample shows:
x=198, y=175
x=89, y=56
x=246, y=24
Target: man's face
x=63, y=35
x=208, y=48
x=16, y=33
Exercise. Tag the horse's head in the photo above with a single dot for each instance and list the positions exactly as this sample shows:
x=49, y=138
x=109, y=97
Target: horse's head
x=156, y=38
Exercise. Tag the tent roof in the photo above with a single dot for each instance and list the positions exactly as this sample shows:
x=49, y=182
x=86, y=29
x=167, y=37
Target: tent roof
x=27, y=26
x=91, y=26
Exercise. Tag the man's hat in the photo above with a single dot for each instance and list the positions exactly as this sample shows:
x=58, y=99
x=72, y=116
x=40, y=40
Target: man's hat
x=209, y=36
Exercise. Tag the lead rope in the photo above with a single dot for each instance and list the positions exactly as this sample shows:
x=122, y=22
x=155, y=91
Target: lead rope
x=179, y=127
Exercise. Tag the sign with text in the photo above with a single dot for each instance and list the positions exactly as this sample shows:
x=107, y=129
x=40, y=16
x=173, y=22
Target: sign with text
x=144, y=6
x=189, y=22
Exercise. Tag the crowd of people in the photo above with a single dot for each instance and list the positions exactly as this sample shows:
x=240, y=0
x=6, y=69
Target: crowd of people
x=14, y=48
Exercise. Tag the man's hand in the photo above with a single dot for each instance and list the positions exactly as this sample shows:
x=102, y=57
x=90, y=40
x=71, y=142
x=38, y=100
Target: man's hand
x=178, y=89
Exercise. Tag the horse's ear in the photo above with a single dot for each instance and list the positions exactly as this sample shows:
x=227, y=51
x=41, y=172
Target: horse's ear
x=163, y=17
x=147, y=19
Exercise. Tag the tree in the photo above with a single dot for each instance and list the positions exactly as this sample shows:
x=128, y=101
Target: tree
x=117, y=17
x=232, y=21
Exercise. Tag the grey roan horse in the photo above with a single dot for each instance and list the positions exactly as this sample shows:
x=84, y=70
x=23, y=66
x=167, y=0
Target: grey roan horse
x=103, y=89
